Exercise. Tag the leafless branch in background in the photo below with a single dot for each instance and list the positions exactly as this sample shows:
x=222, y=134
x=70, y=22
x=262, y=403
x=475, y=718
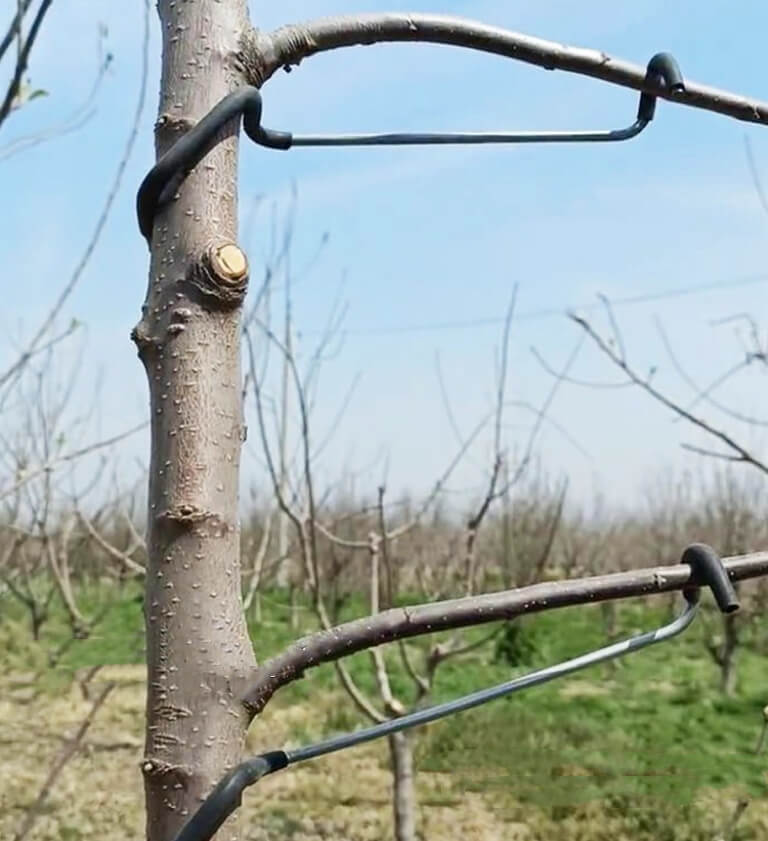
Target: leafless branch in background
x=14, y=29
x=22, y=59
x=25, y=475
x=79, y=117
x=70, y=750
x=124, y=557
x=40, y=335
x=757, y=181
x=704, y=394
x=737, y=453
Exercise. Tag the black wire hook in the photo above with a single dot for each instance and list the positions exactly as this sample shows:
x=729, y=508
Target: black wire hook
x=164, y=178
x=662, y=69
x=706, y=570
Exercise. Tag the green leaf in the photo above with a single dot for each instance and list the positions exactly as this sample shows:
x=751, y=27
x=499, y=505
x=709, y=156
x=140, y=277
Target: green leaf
x=27, y=93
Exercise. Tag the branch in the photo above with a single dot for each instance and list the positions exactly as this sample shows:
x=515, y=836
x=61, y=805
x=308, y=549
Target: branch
x=421, y=682
x=403, y=623
x=21, y=62
x=289, y=45
x=29, y=353
x=307, y=543
x=492, y=493
x=70, y=749
x=729, y=833
x=258, y=564
x=13, y=29
x=705, y=394
x=10, y=550
x=554, y=528
x=740, y=454
x=704, y=451
x=76, y=120
x=123, y=558
x=442, y=652
x=108, y=202
x=23, y=477
x=573, y=380
x=58, y=563
x=358, y=698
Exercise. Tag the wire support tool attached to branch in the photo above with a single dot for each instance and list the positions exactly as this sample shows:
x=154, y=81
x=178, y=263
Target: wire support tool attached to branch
x=662, y=68
x=171, y=169
x=705, y=565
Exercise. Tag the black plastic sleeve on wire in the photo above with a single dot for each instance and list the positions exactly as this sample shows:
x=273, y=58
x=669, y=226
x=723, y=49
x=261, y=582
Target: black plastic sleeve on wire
x=662, y=66
x=226, y=796
x=163, y=179
x=706, y=565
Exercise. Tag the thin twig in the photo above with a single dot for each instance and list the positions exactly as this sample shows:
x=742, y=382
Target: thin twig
x=82, y=115
x=573, y=380
x=109, y=201
x=42, y=469
x=69, y=751
x=22, y=7
x=754, y=173
x=617, y=335
x=122, y=557
x=705, y=394
x=258, y=564
x=739, y=453
x=23, y=59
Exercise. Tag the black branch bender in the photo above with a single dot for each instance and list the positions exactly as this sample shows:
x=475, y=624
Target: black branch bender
x=706, y=570
x=163, y=180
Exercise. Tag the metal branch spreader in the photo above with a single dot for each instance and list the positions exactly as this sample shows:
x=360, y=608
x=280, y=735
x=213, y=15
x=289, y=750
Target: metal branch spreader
x=226, y=796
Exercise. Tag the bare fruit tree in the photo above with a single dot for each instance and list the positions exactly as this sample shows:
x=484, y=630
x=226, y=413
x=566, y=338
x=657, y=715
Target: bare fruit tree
x=730, y=511
x=204, y=684
x=49, y=456
x=402, y=554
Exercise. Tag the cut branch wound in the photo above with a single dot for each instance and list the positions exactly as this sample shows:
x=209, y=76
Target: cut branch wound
x=221, y=276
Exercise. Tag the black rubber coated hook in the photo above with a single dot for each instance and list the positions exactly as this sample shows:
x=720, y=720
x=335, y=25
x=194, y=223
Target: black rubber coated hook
x=708, y=569
x=228, y=794
x=170, y=170
x=661, y=68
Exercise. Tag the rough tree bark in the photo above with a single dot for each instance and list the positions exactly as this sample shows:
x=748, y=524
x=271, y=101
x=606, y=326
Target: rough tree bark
x=198, y=651
x=403, y=795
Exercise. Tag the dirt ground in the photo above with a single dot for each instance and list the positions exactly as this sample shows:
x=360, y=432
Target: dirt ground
x=345, y=797
x=99, y=793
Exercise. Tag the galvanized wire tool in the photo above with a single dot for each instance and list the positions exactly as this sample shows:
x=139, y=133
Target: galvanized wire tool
x=707, y=568
x=662, y=67
x=163, y=179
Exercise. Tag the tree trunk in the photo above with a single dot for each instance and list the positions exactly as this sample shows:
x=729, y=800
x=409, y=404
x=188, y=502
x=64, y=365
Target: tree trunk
x=403, y=794
x=610, y=623
x=198, y=651
x=728, y=672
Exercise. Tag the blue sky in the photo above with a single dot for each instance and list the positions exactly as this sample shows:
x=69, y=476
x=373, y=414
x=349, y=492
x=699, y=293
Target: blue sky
x=424, y=242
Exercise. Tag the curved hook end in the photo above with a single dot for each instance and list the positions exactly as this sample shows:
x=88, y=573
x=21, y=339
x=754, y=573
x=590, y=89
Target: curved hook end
x=226, y=795
x=706, y=565
x=665, y=66
x=662, y=68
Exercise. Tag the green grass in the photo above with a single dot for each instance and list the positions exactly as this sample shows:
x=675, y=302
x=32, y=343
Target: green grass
x=656, y=728
x=653, y=730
